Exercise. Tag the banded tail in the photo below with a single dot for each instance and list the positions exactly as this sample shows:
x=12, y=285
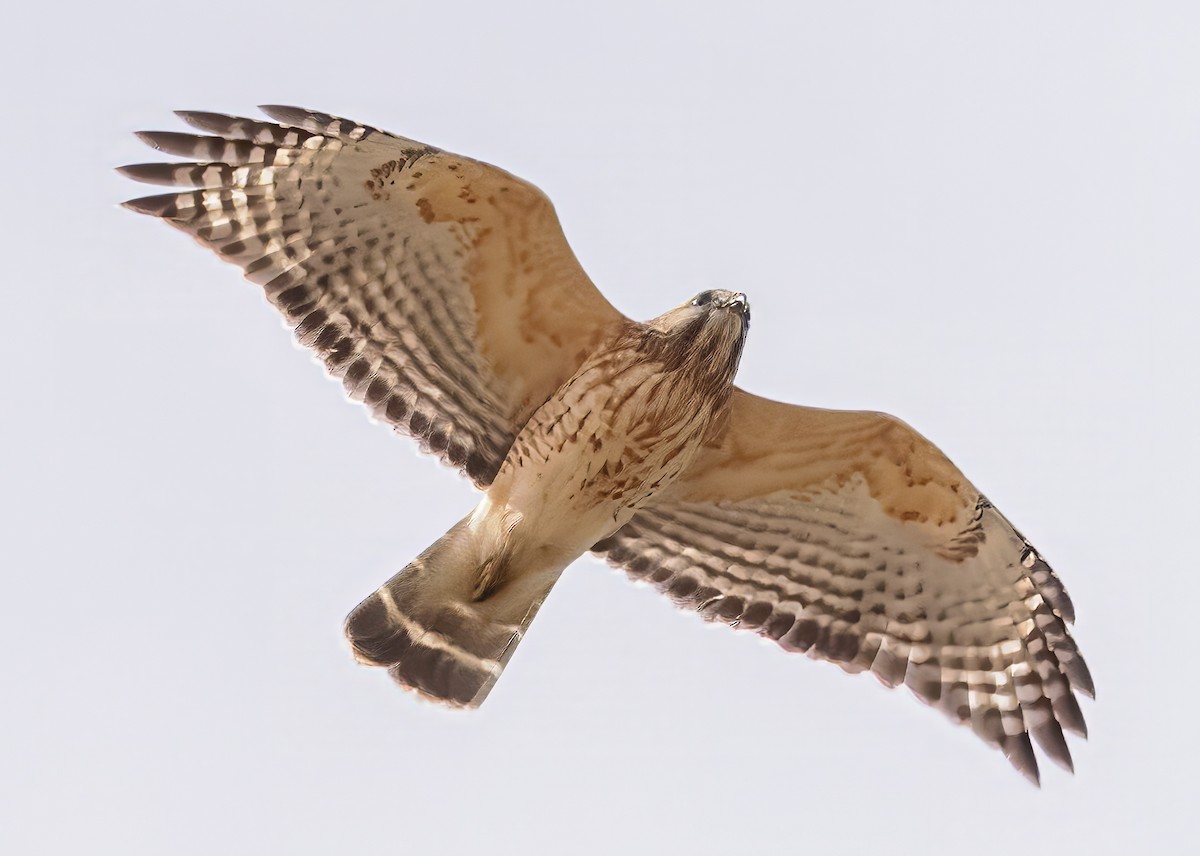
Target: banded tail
x=448, y=623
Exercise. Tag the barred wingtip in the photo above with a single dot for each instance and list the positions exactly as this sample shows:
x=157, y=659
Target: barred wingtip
x=170, y=142
x=287, y=114
x=1081, y=678
x=148, y=173
x=317, y=122
x=205, y=120
x=150, y=138
x=154, y=206
x=1054, y=744
x=1065, y=761
x=1019, y=752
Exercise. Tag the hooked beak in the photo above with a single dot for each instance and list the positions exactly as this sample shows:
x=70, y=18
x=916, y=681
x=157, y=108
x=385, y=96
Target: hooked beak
x=739, y=303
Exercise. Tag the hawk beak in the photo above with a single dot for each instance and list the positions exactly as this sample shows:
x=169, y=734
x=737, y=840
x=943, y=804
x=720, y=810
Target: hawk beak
x=739, y=302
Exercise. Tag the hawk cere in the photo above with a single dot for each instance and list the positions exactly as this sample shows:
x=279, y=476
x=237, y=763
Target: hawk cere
x=442, y=292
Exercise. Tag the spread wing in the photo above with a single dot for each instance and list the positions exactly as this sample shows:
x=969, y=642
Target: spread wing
x=439, y=289
x=849, y=536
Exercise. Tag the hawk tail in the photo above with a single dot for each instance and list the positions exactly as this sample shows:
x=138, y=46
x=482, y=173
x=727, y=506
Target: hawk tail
x=448, y=623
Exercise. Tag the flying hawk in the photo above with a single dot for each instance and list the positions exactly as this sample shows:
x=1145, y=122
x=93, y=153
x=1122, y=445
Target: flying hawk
x=442, y=292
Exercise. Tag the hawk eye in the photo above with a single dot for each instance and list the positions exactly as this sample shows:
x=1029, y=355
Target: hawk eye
x=703, y=298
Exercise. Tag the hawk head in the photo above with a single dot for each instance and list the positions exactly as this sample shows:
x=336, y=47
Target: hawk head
x=706, y=334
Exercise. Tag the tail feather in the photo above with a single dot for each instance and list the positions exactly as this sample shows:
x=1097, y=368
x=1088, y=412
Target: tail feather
x=434, y=632
x=451, y=658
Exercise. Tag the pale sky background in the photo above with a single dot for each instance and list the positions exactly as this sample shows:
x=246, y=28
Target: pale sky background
x=980, y=217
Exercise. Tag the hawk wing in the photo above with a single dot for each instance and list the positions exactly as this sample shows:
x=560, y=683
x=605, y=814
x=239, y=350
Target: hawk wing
x=849, y=536
x=441, y=290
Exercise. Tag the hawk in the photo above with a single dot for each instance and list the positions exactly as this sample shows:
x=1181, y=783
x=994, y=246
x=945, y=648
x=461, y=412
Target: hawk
x=443, y=294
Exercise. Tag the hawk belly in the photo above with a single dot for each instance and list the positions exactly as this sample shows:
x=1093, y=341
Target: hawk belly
x=617, y=433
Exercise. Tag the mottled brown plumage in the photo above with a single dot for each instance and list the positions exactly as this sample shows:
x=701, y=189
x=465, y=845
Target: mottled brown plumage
x=442, y=292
